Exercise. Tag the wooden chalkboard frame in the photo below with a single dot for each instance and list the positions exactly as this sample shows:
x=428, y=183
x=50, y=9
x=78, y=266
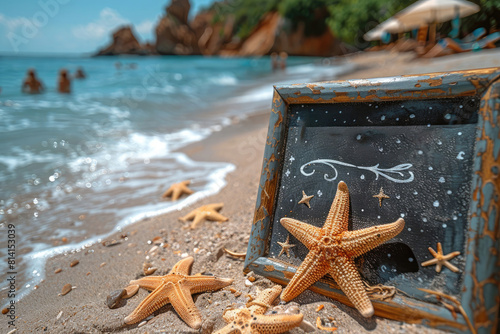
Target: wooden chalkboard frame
x=480, y=293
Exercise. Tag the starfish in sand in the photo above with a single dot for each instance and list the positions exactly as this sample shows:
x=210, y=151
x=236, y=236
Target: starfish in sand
x=305, y=199
x=251, y=319
x=332, y=250
x=381, y=195
x=285, y=247
x=175, y=288
x=177, y=189
x=439, y=259
x=208, y=212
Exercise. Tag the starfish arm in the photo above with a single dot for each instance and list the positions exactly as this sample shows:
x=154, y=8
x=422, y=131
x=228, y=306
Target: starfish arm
x=183, y=267
x=312, y=269
x=186, y=190
x=149, y=283
x=451, y=255
x=277, y=323
x=201, y=283
x=167, y=193
x=355, y=243
x=433, y=252
x=189, y=216
x=429, y=262
x=215, y=206
x=217, y=217
x=345, y=274
x=227, y=330
x=305, y=233
x=439, y=265
x=182, y=302
x=200, y=217
x=450, y=266
x=266, y=297
x=338, y=215
x=150, y=304
x=176, y=194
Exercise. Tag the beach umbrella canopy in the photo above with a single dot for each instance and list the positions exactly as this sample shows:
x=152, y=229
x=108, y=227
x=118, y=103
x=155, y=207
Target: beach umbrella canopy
x=426, y=12
x=389, y=26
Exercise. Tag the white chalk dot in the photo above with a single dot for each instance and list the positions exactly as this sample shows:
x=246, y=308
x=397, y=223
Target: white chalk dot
x=398, y=141
x=455, y=217
x=439, y=142
x=410, y=259
x=412, y=116
x=402, y=215
x=421, y=231
x=447, y=116
x=460, y=133
x=442, y=180
x=430, y=168
x=358, y=137
x=382, y=118
x=388, y=254
x=435, y=204
x=424, y=220
x=362, y=177
x=444, y=225
x=378, y=217
x=449, y=192
x=415, y=192
x=420, y=152
x=409, y=229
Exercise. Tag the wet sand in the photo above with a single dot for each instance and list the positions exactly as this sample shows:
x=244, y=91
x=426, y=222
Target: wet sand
x=103, y=269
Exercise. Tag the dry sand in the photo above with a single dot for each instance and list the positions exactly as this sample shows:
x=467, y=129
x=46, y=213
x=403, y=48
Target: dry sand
x=102, y=269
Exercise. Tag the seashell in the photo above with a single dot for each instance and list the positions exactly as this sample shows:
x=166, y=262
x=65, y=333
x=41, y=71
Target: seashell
x=102, y=264
x=5, y=311
x=59, y=315
x=66, y=289
x=110, y=243
x=57, y=271
x=320, y=307
x=248, y=283
x=157, y=240
x=306, y=326
x=114, y=298
x=251, y=279
x=153, y=249
x=150, y=271
x=131, y=290
x=74, y=263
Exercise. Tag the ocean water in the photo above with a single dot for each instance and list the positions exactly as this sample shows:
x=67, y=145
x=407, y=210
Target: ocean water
x=83, y=166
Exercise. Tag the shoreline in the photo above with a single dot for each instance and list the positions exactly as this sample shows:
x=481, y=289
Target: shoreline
x=241, y=144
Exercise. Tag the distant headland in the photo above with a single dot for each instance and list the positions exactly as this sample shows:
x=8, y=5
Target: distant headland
x=214, y=31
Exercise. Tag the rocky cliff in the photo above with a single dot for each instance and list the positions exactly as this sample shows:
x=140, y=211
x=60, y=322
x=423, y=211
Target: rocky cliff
x=211, y=34
x=125, y=42
x=174, y=36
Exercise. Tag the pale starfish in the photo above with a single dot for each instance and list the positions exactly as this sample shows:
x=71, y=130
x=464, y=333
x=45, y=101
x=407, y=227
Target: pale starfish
x=440, y=259
x=285, y=247
x=305, y=199
x=381, y=195
x=175, y=288
x=177, y=189
x=251, y=319
x=332, y=250
x=208, y=212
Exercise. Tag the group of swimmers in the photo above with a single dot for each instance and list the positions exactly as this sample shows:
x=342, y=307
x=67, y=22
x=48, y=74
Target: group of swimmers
x=32, y=85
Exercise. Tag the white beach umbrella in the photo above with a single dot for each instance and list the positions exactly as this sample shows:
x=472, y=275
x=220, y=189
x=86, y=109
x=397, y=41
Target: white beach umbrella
x=391, y=25
x=426, y=12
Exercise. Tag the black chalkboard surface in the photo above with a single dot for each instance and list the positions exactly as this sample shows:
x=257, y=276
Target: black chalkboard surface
x=425, y=148
x=419, y=152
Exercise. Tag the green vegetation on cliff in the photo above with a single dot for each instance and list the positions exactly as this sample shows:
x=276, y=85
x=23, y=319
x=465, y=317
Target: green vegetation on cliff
x=347, y=19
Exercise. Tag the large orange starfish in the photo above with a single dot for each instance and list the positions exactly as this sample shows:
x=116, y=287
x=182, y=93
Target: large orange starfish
x=332, y=250
x=175, y=288
x=251, y=319
x=208, y=212
x=177, y=189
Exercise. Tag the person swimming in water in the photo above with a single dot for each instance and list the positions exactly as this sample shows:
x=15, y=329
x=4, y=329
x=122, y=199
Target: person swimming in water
x=79, y=74
x=31, y=84
x=64, y=85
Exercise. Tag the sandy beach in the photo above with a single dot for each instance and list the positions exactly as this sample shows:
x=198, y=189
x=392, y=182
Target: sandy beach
x=110, y=265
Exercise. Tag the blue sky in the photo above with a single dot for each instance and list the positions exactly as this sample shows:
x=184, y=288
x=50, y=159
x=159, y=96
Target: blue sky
x=76, y=26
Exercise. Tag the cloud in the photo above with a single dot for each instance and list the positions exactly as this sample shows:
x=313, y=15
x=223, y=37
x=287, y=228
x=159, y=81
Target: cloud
x=12, y=23
x=145, y=27
x=107, y=21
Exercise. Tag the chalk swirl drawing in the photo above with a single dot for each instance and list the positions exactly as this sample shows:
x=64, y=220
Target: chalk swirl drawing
x=405, y=176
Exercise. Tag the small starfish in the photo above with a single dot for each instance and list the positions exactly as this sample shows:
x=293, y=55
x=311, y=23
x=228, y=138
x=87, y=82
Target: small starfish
x=251, y=319
x=175, y=288
x=440, y=259
x=332, y=250
x=305, y=199
x=285, y=247
x=381, y=196
x=177, y=189
x=208, y=212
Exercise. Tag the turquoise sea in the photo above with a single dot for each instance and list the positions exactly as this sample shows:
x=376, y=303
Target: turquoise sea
x=84, y=165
